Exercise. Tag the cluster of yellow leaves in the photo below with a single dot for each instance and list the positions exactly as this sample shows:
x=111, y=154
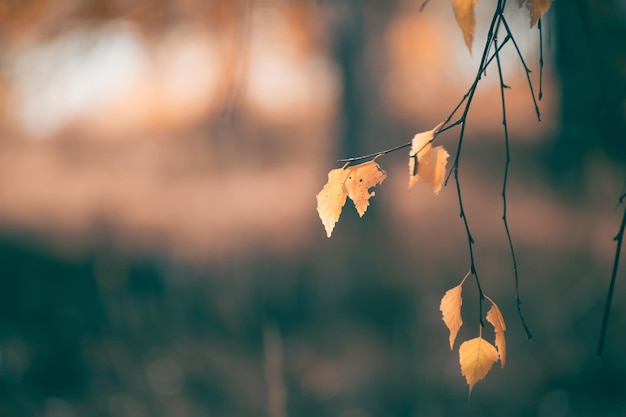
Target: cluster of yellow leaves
x=353, y=182
x=476, y=356
x=466, y=18
x=426, y=163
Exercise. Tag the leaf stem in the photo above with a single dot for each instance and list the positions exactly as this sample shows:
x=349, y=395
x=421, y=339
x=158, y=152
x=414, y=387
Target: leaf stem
x=490, y=300
x=469, y=271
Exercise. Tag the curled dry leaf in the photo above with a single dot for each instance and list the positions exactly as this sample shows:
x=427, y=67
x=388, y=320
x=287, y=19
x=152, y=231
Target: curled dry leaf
x=494, y=316
x=431, y=161
x=353, y=182
x=465, y=18
x=476, y=357
x=451, y=311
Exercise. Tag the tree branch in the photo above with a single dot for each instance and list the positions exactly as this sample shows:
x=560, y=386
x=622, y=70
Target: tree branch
x=540, y=59
x=504, y=202
x=497, y=20
x=526, y=69
x=609, y=298
x=445, y=126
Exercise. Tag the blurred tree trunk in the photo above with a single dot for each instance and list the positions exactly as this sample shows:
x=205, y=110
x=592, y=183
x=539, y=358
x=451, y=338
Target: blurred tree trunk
x=591, y=55
x=348, y=53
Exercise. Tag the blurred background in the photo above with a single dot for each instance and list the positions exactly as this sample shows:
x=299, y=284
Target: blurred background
x=160, y=250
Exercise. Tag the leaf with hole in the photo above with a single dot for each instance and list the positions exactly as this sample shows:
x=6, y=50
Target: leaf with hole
x=361, y=178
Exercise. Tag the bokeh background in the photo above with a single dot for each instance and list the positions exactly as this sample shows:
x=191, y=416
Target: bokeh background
x=160, y=250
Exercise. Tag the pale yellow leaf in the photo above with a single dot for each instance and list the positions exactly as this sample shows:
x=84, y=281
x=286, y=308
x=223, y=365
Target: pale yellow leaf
x=465, y=18
x=432, y=167
x=537, y=9
x=451, y=311
x=420, y=146
x=476, y=357
x=431, y=162
x=494, y=316
x=332, y=198
x=361, y=178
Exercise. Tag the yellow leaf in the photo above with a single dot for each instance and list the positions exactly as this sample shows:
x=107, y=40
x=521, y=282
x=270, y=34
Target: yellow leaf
x=433, y=167
x=476, y=357
x=361, y=178
x=465, y=18
x=431, y=162
x=332, y=198
x=537, y=9
x=494, y=316
x=451, y=311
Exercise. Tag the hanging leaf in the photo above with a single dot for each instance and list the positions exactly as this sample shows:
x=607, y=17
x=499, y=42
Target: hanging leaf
x=476, y=357
x=353, y=182
x=466, y=19
x=431, y=161
x=331, y=199
x=494, y=316
x=451, y=311
x=361, y=178
x=537, y=9
x=432, y=167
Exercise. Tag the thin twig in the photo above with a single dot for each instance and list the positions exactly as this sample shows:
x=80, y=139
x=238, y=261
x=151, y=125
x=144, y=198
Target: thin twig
x=424, y=5
x=609, y=298
x=375, y=154
x=395, y=148
x=491, y=34
x=445, y=126
x=470, y=92
x=504, y=202
x=540, y=59
x=528, y=71
x=470, y=241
